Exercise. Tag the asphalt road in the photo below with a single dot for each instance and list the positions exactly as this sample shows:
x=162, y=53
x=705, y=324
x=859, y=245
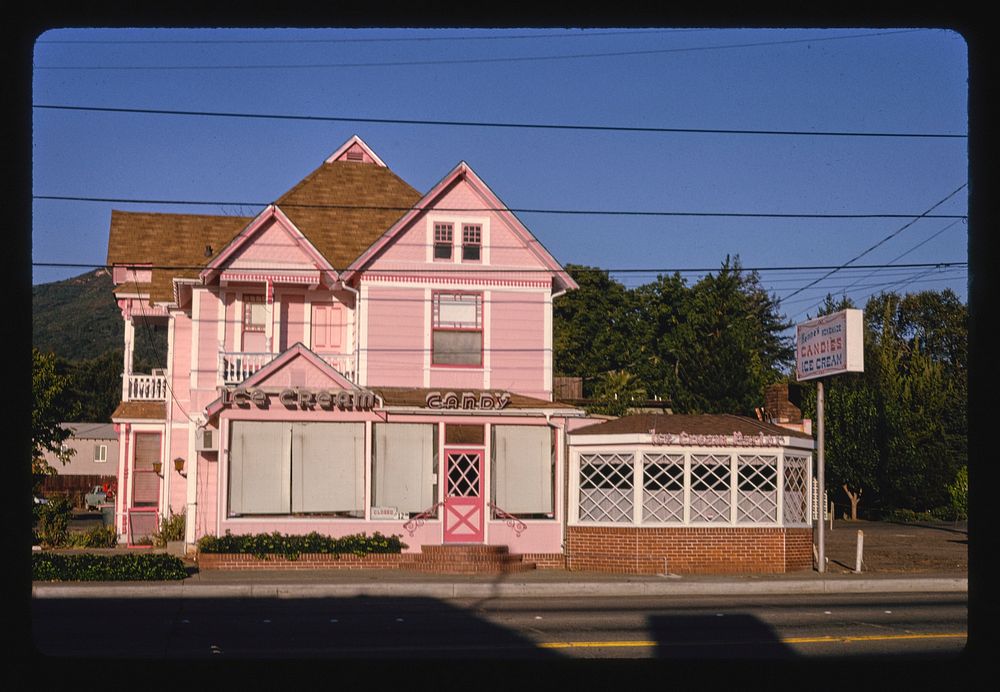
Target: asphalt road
x=858, y=626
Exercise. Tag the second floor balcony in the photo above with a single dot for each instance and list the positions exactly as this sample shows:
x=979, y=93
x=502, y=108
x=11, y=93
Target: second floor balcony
x=237, y=366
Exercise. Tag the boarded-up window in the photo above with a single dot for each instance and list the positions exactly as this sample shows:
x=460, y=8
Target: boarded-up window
x=146, y=482
x=328, y=468
x=523, y=468
x=405, y=476
x=296, y=468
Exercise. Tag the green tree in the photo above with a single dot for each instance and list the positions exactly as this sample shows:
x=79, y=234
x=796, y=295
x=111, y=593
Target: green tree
x=49, y=408
x=617, y=392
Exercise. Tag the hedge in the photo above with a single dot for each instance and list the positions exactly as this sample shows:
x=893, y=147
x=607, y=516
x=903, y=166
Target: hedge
x=291, y=546
x=91, y=567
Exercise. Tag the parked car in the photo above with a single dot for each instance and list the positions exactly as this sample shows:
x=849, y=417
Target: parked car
x=98, y=496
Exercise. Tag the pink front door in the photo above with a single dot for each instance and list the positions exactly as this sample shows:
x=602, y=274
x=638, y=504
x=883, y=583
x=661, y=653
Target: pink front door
x=464, y=519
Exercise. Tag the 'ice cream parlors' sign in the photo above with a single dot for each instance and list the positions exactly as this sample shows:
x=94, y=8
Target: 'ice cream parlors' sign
x=829, y=345
x=737, y=439
x=327, y=399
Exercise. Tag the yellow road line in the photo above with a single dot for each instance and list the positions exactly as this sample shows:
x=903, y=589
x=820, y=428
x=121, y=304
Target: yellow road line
x=788, y=640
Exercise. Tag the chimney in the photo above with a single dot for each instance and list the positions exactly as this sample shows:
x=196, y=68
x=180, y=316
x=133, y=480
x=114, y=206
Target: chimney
x=782, y=406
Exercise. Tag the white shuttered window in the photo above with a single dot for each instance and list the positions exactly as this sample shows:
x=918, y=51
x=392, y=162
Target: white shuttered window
x=404, y=474
x=522, y=469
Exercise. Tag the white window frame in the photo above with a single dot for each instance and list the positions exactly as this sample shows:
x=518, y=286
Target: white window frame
x=100, y=454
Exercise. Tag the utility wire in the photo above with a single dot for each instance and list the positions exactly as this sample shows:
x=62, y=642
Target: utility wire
x=887, y=238
x=580, y=33
x=516, y=210
x=468, y=61
x=461, y=123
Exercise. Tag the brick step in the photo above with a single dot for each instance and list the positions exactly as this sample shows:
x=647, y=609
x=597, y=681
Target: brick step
x=466, y=559
x=467, y=567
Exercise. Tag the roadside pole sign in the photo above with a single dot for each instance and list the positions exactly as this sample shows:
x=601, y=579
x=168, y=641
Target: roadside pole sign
x=828, y=345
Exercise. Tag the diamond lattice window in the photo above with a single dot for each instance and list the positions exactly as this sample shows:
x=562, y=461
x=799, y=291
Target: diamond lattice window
x=662, y=487
x=757, y=492
x=606, y=487
x=794, y=501
x=710, y=486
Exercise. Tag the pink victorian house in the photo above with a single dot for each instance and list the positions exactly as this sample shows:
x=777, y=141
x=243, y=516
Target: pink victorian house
x=358, y=357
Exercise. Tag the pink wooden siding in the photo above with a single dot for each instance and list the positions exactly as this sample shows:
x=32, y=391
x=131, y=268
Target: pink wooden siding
x=517, y=330
x=292, y=315
x=273, y=246
x=180, y=365
x=178, y=483
x=395, y=322
x=229, y=298
x=208, y=339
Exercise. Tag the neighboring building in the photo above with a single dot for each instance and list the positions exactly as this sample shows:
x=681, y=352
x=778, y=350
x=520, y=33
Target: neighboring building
x=360, y=357
x=94, y=461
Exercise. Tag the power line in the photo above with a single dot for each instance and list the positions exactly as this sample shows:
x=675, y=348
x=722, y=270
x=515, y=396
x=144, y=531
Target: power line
x=461, y=123
x=397, y=39
x=888, y=237
x=516, y=210
x=480, y=269
x=467, y=61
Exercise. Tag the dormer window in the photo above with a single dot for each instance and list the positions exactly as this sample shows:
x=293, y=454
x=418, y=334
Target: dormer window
x=472, y=242
x=443, y=240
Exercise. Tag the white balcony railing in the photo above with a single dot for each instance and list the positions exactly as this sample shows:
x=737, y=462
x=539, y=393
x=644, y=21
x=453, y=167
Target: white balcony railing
x=235, y=367
x=146, y=388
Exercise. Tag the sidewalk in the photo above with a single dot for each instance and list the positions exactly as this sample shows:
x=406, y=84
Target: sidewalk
x=537, y=583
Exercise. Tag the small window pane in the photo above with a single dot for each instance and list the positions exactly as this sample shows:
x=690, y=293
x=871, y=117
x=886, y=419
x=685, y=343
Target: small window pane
x=458, y=348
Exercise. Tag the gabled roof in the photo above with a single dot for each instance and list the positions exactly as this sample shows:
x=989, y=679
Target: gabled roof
x=245, y=237
x=461, y=171
x=269, y=372
x=343, y=207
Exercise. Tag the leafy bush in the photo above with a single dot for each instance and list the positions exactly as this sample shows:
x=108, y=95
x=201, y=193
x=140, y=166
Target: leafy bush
x=97, y=537
x=90, y=567
x=171, y=529
x=53, y=522
x=291, y=547
x=959, y=493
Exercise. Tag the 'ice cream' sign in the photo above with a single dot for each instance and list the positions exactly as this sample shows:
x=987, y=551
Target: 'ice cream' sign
x=829, y=345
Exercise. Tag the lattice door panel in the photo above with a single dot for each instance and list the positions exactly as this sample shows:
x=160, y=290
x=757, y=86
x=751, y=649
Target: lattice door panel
x=464, y=518
x=662, y=487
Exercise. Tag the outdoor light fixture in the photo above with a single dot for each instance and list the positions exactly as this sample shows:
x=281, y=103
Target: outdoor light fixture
x=179, y=466
x=158, y=468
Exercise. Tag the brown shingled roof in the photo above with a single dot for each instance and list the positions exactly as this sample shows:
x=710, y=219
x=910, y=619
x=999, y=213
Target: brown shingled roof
x=140, y=410
x=317, y=207
x=705, y=424
x=175, y=242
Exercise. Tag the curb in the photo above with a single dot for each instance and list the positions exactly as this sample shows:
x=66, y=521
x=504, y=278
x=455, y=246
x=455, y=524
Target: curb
x=506, y=590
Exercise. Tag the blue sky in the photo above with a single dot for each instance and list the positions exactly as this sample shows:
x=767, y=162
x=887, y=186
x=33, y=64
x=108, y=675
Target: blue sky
x=874, y=81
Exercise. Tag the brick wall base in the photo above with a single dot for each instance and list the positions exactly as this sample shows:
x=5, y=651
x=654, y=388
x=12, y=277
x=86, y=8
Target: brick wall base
x=688, y=550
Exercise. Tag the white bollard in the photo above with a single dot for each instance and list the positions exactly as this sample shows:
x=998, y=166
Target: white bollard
x=861, y=548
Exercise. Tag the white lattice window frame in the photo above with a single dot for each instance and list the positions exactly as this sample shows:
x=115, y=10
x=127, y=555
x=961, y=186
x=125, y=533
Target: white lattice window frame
x=748, y=471
x=725, y=461
x=626, y=499
x=678, y=461
x=799, y=466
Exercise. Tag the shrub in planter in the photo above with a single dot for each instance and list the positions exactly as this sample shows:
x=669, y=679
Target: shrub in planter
x=291, y=546
x=89, y=567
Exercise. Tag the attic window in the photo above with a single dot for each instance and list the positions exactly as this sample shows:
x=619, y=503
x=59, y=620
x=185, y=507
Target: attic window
x=443, y=237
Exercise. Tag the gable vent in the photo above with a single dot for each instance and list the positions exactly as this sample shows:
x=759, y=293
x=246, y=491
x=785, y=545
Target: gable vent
x=355, y=156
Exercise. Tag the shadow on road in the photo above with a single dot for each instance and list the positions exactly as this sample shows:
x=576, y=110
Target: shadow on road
x=716, y=636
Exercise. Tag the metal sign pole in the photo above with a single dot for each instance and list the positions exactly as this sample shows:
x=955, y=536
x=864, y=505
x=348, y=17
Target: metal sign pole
x=820, y=479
